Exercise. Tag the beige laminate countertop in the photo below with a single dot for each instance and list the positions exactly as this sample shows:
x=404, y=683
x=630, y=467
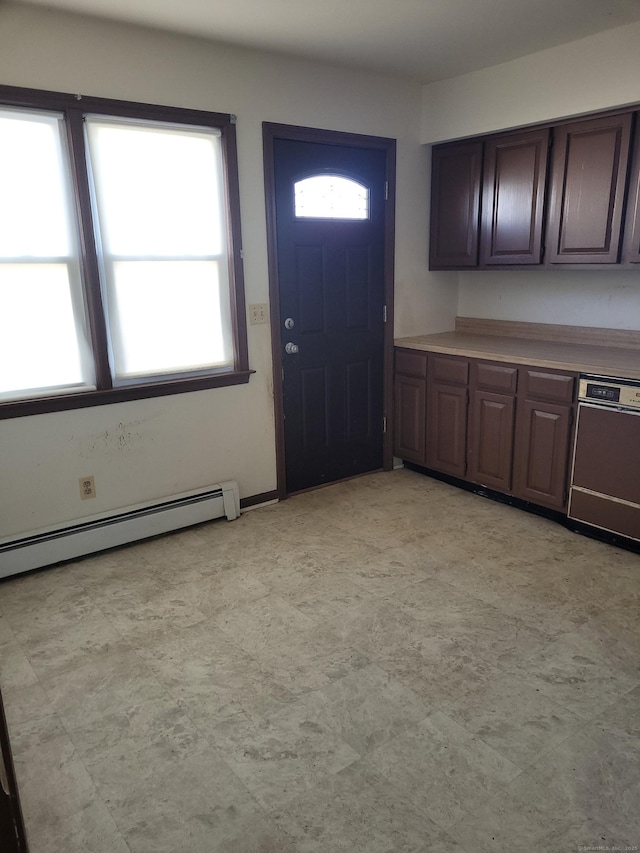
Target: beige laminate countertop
x=578, y=357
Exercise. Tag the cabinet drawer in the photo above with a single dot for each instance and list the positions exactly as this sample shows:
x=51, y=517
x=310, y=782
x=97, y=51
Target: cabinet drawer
x=540, y=385
x=495, y=377
x=411, y=363
x=448, y=368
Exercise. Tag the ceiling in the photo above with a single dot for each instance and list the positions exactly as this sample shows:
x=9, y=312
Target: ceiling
x=425, y=40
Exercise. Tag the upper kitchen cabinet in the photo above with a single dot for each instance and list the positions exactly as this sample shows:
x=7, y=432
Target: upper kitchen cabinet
x=514, y=180
x=589, y=172
x=455, y=205
x=631, y=251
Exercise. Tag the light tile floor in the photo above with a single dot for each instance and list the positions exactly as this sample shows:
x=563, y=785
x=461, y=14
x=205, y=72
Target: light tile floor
x=388, y=665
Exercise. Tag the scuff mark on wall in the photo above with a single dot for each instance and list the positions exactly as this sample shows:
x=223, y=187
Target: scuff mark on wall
x=123, y=437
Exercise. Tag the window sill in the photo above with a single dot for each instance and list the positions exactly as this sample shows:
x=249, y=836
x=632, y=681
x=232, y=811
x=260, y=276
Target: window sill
x=65, y=402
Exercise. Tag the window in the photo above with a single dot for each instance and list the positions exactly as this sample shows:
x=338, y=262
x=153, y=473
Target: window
x=330, y=197
x=120, y=272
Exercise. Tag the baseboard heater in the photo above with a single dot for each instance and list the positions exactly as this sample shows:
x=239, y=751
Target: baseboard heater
x=127, y=525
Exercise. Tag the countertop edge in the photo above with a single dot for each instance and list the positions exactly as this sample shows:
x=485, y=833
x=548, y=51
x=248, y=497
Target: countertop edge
x=587, y=359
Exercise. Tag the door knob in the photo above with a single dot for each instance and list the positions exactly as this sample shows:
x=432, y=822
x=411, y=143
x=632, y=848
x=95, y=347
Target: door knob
x=291, y=348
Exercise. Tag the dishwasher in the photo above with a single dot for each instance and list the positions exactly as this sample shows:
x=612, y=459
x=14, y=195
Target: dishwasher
x=605, y=477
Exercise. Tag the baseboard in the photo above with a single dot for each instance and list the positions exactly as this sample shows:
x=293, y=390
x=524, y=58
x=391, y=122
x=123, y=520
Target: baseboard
x=256, y=500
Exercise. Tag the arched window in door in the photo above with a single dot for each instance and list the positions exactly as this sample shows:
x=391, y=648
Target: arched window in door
x=330, y=197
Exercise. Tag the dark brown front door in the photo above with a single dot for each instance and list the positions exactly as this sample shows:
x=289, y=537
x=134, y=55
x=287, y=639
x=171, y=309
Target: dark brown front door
x=330, y=266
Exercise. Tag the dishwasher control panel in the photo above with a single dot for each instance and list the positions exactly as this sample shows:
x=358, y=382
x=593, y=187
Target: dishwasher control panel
x=613, y=392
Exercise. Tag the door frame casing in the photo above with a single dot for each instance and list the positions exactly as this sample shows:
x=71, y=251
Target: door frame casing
x=270, y=132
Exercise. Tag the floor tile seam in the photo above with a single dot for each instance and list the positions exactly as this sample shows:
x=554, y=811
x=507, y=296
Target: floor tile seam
x=581, y=724
x=42, y=635
x=272, y=812
x=22, y=614
x=593, y=718
x=66, y=669
x=486, y=803
x=448, y=827
x=502, y=666
x=613, y=833
x=131, y=641
x=524, y=681
x=433, y=705
x=262, y=660
x=77, y=756
x=24, y=651
x=206, y=736
x=99, y=800
x=150, y=672
x=478, y=600
x=124, y=830
x=335, y=731
x=574, y=644
x=606, y=611
x=98, y=608
x=378, y=593
x=623, y=843
x=476, y=738
x=318, y=621
x=62, y=715
x=18, y=752
x=471, y=735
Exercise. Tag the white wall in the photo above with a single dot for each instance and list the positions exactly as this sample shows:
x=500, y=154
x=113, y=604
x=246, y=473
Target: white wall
x=591, y=74
x=149, y=449
x=596, y=73
x=590, y=298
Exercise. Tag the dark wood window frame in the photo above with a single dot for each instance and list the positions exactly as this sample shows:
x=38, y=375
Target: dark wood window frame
x=74, y=107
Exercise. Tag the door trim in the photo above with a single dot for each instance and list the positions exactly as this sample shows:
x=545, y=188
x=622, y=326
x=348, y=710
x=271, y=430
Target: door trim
x=271, y=132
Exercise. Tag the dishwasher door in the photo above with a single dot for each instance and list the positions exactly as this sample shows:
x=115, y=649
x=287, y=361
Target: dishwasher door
x=605, y=481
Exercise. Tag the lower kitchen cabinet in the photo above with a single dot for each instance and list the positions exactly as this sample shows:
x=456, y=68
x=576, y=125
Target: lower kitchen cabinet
x=543, y=436
x=541, y=457
x=410, y=394
x=501, y=426
x=490, y=450
x=447, y=429
x=409, y=423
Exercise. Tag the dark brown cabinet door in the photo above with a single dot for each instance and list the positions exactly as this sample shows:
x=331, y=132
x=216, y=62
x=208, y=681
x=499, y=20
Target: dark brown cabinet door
x=455, y=205
x=587, y=190
x=542, y=453
x=515, y=172
x=631, y=251
x=447, y=429
x=491, y=424
x=410, y=413
x=12, y=834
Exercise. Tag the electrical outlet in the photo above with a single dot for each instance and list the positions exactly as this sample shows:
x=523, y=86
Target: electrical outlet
x=87, y=487
x=258, y=313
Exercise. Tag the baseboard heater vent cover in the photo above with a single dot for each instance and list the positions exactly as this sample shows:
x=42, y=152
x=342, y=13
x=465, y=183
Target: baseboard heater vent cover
x=128, y=525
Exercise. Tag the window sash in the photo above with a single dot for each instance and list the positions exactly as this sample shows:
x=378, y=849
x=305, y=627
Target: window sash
x=44, y=345
x=107, y=386
x=157, y=188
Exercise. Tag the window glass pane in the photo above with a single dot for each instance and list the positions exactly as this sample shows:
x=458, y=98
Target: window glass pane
x=169, y=317
x=162, y=224
x=39, y=347
x=43, y=330
x=34, y=217
x=158, y=189
x=331, y=197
